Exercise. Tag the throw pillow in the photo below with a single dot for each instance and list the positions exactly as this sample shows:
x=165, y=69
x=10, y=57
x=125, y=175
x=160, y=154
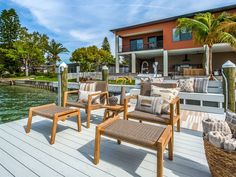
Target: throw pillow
x=88, y=86
x=149, y=104
x=215, y=125
x=167, y=95
x=200, y=85
x=230, y=145
x=218, y=138
x=83, y=97
x=231, y=120
x=186, y=85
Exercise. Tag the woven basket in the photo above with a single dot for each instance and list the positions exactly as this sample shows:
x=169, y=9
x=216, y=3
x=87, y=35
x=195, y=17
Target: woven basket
x=221, y=163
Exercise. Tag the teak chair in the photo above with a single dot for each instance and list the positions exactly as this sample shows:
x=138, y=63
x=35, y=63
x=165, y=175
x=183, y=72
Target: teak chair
x=167, y=119
x=89, y=106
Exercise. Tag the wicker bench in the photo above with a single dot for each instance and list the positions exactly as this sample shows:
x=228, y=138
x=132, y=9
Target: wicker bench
x=145, y=135
x=56, y=113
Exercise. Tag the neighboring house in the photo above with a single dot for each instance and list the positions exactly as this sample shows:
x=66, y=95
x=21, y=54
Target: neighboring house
x=72, y=67
x=157, y=41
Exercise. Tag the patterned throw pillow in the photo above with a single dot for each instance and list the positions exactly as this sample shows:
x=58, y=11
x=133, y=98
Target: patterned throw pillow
x=215, y=125
x=186, y=85
x=88, y=86
x=167, y=95
x=149, y=104
x=83, y=97
x=231, y=120
x=200, y=85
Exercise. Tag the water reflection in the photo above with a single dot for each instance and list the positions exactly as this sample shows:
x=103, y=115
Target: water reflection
x=16, y=100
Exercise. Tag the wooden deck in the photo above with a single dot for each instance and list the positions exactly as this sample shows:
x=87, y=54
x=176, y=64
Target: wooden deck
x=29, y=155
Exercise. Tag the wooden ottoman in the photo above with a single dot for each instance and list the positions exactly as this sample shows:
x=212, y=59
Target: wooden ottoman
x=146, y=135
x=56, y=113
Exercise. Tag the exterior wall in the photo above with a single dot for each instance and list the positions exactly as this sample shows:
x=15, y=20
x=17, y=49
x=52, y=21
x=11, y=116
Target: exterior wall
x=166, y=28
x=221, y=57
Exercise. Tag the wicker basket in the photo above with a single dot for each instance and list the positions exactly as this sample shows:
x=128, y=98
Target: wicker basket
x=221, y=163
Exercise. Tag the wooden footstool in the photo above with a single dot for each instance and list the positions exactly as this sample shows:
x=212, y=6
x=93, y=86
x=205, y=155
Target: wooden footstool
x=56, y=113
x=146, y=135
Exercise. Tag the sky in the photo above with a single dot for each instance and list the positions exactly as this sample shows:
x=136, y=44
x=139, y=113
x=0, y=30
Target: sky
x=80, y=23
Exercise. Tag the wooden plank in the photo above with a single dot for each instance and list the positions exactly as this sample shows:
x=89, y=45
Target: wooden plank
x=53, y=160
x=5, y=172
x=14, y=166
x=25, y=158
x=122, y=152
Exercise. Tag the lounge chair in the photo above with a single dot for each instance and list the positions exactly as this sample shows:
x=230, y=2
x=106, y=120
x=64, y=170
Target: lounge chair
x=89, y=106
x=167, y=119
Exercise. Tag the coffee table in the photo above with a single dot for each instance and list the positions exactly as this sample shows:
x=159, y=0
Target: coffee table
x=55, y=113
x=112, y=110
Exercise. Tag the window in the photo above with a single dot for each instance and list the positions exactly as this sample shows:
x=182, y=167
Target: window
x=136, y=44
x=183, y=34
x=152, y=42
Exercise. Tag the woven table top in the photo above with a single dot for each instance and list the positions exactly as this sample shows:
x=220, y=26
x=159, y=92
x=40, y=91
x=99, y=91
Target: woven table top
x=51, y=110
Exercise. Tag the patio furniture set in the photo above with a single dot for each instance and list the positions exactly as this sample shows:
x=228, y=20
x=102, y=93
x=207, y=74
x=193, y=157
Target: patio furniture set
x=153, y=136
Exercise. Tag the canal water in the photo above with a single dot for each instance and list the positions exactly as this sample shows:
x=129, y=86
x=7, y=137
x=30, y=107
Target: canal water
x=15, y=101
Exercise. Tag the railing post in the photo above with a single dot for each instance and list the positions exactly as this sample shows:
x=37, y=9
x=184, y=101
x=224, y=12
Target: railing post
x=228, y=73
x=105, y=73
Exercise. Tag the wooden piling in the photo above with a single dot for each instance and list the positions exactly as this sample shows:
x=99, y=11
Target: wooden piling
x=229, y=72
x=64, y=83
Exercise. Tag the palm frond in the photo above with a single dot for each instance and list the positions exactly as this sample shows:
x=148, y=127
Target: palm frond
x=225, y=37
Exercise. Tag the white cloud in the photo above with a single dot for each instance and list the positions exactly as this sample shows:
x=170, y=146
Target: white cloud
x=78, y=23
x=82, y=35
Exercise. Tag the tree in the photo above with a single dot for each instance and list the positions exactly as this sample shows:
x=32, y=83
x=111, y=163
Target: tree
x=208, y=29
x=106, y=45
x=9, y=27
x=9, y=32
x=90, y=58
x=30, y=49
x=54, y=49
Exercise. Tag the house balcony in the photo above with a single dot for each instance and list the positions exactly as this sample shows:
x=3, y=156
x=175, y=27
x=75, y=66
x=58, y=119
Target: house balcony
x=140, y=47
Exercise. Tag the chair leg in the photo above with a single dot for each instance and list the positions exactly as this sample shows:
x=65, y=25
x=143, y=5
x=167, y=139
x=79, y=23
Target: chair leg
x=178, y=125
x=79, y=121
x=29, y=121
x=170, y=149
x=160, y=161
x=97, y=147
x=118, y=141
x=54, y=130
x=88, y=117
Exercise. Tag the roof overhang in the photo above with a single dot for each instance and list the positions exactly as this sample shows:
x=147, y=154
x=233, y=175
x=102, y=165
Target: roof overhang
x=189, y=15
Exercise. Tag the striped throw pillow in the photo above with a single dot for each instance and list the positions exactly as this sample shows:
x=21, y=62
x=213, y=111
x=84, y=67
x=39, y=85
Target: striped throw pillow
x=149, y=104
x=88, y=86
x=167, y=95
x=200, y=85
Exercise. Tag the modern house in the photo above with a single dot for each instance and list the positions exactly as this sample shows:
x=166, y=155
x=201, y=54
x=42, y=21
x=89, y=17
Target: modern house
x=156, y=41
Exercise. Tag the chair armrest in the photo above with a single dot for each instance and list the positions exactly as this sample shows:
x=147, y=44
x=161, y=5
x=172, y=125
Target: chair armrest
x=126, y=102
x=65, y=97
x=174, y=104
x=175, y=100
x=131, y=97
x=94, y=94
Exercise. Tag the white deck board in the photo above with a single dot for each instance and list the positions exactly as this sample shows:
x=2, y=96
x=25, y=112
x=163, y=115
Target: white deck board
x=72, y=153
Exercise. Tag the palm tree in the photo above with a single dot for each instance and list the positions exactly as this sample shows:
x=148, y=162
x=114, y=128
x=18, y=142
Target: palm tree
x=208, y=29
x=54, y=49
